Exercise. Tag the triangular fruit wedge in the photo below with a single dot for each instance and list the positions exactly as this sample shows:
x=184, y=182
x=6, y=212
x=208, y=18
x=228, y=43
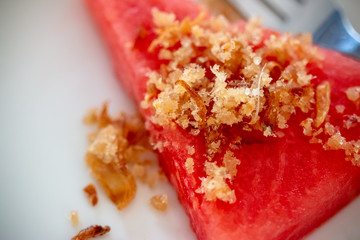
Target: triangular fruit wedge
x=257, y=131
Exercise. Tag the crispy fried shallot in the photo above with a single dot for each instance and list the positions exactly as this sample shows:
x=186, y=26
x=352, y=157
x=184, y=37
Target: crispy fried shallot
x=91, y=232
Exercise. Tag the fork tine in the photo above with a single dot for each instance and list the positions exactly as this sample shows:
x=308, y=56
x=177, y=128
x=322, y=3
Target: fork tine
x=337, y=33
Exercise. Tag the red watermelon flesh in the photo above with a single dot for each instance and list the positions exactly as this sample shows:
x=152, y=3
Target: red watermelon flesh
x=285, y=187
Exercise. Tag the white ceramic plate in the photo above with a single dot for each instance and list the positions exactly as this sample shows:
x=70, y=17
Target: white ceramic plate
x=53, y=67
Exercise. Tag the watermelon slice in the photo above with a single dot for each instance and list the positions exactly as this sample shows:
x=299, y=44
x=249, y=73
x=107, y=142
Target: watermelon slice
x=284, y=187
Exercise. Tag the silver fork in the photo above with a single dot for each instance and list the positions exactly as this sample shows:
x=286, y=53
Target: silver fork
x=323, y=18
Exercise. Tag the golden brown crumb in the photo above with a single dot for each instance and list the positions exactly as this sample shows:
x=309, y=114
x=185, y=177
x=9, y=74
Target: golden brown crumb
x=230, y=163
x=74, y=217
x=159, y=146
x=340, y=108
x=314, y=138
x=91, y=117
x=91, y=193
x=337, y=142
x=330, y=129
x=106, y=144
x=191, y=150
x=214, y=186
x=91, y=232
x=353, y=94
x=268, y=132
x=307, y=126
x=213, y=147
x=166, y=144
x=116, y=155
x=189, y=165
x=194, y=132
x=159, y=202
